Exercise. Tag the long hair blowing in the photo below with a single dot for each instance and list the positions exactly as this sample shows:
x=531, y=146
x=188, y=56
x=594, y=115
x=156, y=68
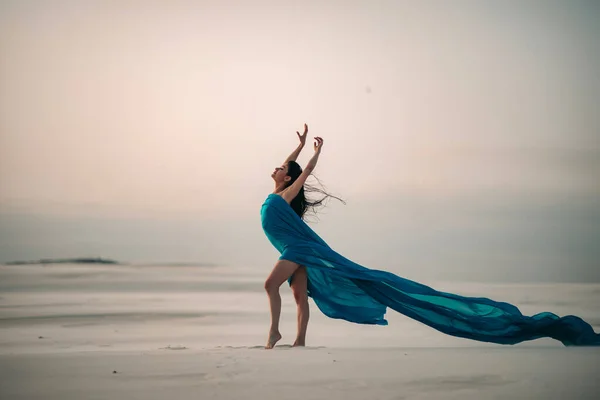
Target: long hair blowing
x=301, y=204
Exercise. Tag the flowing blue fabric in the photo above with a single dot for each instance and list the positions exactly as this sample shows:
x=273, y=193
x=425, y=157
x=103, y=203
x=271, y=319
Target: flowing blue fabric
x=345, y=290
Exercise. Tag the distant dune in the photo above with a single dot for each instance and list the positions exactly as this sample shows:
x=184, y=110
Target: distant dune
x=98, y=260
x=83, y=260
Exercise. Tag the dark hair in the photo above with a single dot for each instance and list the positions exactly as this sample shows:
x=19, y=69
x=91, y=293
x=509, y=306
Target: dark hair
x=300, y=204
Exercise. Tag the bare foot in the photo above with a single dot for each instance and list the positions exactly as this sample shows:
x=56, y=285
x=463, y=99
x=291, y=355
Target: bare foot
x=273, y=338
x=299, y=343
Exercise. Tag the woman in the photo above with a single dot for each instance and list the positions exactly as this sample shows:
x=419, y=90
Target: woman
x=345, y=290
x=289, y=184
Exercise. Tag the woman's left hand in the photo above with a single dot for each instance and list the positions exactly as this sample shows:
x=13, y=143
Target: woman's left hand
x=318, y=144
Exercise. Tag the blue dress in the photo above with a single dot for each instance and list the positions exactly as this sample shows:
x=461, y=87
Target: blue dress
x=345, y=290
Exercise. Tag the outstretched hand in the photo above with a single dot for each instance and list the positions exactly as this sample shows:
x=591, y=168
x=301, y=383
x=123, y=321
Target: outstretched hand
x=303, y=136
x=318, y=144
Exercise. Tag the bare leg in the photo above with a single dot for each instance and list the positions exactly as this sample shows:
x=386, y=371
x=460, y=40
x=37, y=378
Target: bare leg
x=281, y=272
x=299, y=288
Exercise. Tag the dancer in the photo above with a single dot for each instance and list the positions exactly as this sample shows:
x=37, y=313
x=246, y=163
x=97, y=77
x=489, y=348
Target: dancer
x=345, y=290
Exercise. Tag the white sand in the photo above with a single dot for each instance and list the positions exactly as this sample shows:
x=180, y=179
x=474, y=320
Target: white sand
x=64, y=329
x=317, y=373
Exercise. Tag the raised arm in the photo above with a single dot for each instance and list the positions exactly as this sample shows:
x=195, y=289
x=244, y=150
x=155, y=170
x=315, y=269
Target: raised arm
x=295, y=153
x=291, y=192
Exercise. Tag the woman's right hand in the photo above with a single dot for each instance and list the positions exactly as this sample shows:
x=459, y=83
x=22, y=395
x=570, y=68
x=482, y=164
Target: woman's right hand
x=318, y=144
x=303, y=136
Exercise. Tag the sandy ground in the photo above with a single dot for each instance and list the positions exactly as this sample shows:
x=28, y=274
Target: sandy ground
x=310, y=373
x=197, y=333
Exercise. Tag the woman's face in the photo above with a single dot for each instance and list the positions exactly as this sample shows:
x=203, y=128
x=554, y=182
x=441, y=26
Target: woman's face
x=280, y=174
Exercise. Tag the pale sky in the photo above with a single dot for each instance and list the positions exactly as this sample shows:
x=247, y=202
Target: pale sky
x=464, y=135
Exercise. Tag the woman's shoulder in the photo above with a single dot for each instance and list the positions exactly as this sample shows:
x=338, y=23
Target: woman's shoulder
x=279, y=194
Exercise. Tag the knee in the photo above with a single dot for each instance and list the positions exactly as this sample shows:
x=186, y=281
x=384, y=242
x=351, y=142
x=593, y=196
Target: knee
x=271, y=286
x=301, y=297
